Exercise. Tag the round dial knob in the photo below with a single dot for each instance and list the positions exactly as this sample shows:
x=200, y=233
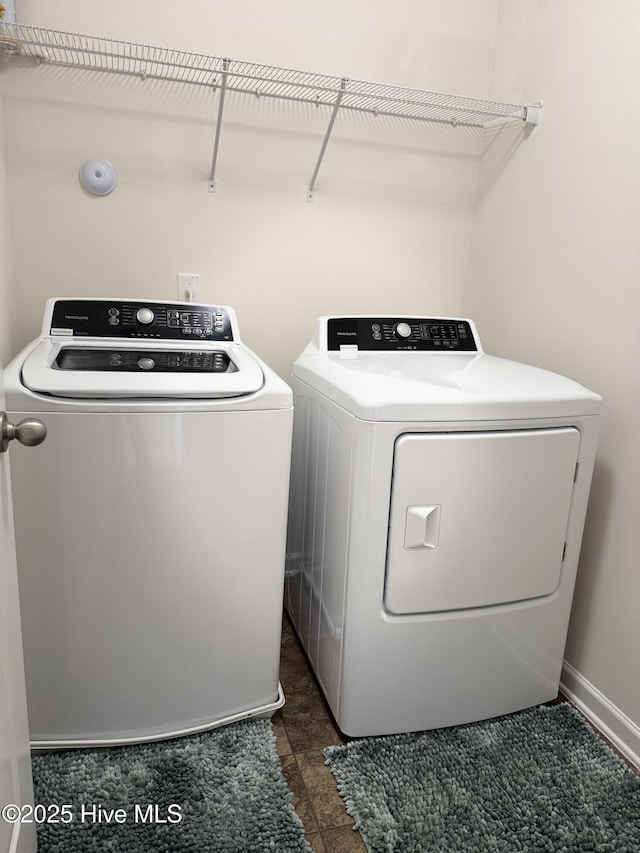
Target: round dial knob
x=403, y=330
x=145, y=316
x=146, y=363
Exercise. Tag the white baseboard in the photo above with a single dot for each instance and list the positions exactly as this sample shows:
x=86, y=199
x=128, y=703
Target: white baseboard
x=623, y=733
x=23, y=841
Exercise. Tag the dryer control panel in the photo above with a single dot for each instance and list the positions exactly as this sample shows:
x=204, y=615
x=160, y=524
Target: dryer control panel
x=113, y=318
x=422, y=334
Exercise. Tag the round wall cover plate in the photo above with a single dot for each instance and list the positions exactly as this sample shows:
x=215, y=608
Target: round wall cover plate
x=98, y=176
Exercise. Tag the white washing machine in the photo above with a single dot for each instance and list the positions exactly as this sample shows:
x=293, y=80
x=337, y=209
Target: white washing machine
x=438, y=499
x=151, y=523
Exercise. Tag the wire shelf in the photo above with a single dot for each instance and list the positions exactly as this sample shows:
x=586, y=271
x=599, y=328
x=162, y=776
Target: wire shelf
x=95, y=53
x=144, y=60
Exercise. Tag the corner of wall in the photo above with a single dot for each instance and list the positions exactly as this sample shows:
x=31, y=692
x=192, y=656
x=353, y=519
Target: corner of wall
x=623, y=733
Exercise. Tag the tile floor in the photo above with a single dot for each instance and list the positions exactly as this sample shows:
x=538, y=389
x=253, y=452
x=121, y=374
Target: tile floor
x=303, y=728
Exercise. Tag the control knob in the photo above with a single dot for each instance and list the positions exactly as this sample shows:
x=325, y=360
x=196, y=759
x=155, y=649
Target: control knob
x=403, y=330
x=145, y=316
x=146, y=363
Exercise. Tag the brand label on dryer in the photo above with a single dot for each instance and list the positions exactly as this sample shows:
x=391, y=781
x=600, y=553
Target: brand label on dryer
x=58, y=332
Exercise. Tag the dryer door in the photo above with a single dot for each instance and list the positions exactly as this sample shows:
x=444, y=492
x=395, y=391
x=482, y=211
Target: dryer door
x=478, y=518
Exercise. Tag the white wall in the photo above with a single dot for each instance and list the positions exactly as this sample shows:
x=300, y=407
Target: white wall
x=553, y=279
x=390, y=224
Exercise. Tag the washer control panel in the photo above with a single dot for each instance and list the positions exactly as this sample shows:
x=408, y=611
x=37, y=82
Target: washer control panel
x=422, y=334
x=133, y=361
x=107, y=318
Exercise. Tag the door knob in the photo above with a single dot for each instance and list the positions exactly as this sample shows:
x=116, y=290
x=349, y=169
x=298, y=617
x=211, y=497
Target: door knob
x=29, y=431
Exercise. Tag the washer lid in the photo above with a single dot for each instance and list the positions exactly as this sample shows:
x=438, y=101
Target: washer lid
x=97, y=369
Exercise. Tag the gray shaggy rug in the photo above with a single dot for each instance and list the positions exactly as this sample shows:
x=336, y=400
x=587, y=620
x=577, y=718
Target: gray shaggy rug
x=539, y=780
x=218, y=792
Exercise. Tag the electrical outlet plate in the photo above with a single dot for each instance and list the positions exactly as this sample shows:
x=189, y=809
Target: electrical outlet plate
x=188, y=286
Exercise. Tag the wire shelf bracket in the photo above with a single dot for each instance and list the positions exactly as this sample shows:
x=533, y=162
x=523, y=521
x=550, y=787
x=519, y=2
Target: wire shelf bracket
x=216, y=141
x=532, y=113
x=325, y=141
x=94, y=53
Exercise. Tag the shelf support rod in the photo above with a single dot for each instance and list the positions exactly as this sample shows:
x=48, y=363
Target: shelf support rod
x=216, y=142
x=336, y=107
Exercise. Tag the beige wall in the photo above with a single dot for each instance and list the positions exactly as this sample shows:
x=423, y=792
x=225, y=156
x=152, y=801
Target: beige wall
x=7, y=293
x=390, y=224
x=553, y=279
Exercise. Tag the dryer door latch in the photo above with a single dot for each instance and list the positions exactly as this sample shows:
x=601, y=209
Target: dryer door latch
x=422, y=527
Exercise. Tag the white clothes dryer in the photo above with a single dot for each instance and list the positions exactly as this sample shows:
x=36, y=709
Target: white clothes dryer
x=151, y=523
x=438, y=499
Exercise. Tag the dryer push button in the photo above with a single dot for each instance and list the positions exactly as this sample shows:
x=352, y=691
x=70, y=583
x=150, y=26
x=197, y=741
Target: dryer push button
x=403, y=330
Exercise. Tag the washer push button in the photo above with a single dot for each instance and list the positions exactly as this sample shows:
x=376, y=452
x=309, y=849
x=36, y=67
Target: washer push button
x=145, y=316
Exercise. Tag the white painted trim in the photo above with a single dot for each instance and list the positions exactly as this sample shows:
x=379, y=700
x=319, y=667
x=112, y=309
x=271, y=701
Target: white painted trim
x=14, y=846
x=605, y=716
x=23, y=842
